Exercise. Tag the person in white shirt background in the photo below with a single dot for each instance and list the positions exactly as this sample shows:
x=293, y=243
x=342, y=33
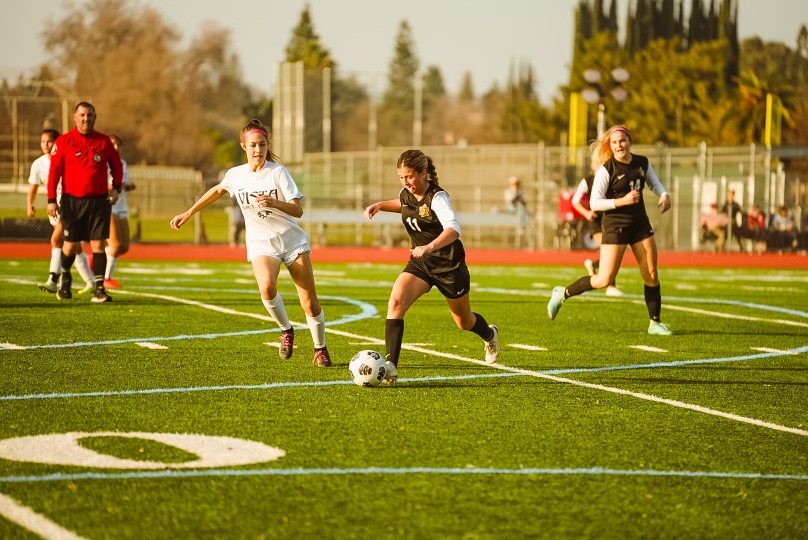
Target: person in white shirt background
x=270, y=202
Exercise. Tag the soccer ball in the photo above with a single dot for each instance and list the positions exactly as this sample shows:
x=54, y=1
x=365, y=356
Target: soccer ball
x=367, y=368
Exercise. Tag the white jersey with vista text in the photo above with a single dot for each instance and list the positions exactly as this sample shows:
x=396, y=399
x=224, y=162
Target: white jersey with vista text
x=266, y=225
x=39, y=174
x=121, y=208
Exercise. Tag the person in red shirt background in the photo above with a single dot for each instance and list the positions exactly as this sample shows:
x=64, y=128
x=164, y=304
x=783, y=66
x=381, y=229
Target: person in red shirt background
x=83, y=158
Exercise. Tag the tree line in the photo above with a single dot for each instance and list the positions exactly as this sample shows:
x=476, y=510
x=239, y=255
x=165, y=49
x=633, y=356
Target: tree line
x=690, y=80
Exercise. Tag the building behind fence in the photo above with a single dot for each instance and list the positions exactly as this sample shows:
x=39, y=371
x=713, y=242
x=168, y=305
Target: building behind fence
x=338, y=186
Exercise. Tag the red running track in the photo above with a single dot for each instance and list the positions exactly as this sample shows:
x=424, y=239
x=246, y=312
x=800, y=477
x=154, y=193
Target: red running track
x=182, y=252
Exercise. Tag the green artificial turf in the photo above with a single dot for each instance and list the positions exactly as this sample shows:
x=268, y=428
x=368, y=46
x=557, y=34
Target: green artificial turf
x=588, y=428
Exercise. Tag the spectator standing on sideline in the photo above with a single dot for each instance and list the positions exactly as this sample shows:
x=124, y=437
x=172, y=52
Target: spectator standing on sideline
x=118, y=242
x=735, y=217
x=593, y=219
x=270, y=201
x=617, y=192
x=437, y=258
x=81, y=161
x=40, y=169
x=714, y=227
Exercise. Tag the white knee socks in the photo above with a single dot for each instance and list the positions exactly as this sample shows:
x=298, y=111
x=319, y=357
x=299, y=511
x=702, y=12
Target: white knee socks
x=317, y=327
x=277, y=311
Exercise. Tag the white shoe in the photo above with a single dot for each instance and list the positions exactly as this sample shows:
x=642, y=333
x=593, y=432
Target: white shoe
x=390, y=372
x=492, y=346
x=611, y=290
x=589, y=267
x=659, y=329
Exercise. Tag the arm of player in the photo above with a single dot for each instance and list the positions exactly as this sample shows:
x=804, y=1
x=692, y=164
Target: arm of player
x=291, y=207
x=599, y=202
x=391, y=205
x=657, y=187
x=29, y=206
x=442, y=207
x=578, y=196
x=210, y=196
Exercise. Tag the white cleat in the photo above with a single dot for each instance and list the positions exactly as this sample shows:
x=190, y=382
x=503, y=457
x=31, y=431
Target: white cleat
x=659, y=329
x=589, y=267
x=390, y=372
x=611, y=290
x=492, y=346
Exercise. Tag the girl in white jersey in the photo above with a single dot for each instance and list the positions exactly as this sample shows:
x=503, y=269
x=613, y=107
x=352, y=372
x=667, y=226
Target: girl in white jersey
x=270, y=201
x=618, y=193
x=118, y=241
x=39, y=177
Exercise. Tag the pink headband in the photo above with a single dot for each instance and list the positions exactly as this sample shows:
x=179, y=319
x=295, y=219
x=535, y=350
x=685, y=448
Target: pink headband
x=256, y=130
x=621, y=128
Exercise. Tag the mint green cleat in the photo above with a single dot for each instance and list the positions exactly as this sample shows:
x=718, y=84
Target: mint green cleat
x=659, y=329
x=88, y=288
x=556, y=300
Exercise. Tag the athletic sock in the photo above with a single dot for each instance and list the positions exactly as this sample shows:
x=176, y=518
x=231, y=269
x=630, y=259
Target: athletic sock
x=67, y=263
x=596, y=265
x=99, y=265
x=653, y=300
x=83, y=267
x=481, y=328
x=581, y=286
x=111, y=262
x=277, y=311
x=393, y=336
x=56, y=261
x=317, y=327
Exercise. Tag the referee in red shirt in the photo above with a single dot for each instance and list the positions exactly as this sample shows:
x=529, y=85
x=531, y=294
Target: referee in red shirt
x=82, y=160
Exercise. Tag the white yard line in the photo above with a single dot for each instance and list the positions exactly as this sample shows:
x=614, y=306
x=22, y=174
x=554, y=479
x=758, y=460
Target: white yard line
x=647, y=348
x=30, y=520
x=148, y=345
x=638, y=395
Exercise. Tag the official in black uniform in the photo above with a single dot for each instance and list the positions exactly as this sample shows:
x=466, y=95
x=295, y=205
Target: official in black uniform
x=618, y=193
x=437, y=258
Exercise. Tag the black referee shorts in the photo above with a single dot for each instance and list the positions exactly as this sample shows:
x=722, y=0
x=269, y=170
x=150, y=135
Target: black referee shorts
x=85, y=218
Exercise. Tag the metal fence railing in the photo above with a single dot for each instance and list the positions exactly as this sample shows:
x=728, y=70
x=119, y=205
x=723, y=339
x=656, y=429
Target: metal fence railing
x=338, y=186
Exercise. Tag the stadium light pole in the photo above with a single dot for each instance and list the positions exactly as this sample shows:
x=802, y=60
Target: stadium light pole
x=597, y=89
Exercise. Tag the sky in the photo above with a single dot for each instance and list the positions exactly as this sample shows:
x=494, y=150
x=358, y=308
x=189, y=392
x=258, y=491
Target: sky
x=482, y=37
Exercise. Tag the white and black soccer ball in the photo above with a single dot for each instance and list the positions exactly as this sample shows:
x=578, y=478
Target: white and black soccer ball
x=367, y=368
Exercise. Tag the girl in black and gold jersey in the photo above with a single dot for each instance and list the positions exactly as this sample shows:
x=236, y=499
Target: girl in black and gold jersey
x=618, y=193
x=437, y=258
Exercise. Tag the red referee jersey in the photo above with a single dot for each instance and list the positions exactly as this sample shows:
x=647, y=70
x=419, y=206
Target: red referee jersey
x=83, y=163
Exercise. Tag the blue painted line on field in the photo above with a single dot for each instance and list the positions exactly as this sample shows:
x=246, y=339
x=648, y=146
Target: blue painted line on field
x=265, y=386
x=679, y=363
x=367, y=311
x=795, y=312
x=594, y=471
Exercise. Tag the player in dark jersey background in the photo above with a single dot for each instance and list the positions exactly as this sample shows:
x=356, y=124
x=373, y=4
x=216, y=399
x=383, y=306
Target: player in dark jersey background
x=437, y=258
x=618, y=193
x=593, y=218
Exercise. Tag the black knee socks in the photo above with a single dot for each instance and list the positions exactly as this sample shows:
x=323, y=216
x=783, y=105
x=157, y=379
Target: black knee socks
x=481, y=328
x=653, y=300
x=579, y=287
x=393, y=336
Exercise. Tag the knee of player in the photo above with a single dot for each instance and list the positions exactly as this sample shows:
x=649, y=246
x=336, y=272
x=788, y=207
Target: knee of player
x=395, y=309
x=600, y=281
x=650, y=277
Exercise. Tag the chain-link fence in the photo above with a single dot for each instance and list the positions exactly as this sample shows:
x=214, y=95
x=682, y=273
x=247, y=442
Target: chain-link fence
x=338, y=186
